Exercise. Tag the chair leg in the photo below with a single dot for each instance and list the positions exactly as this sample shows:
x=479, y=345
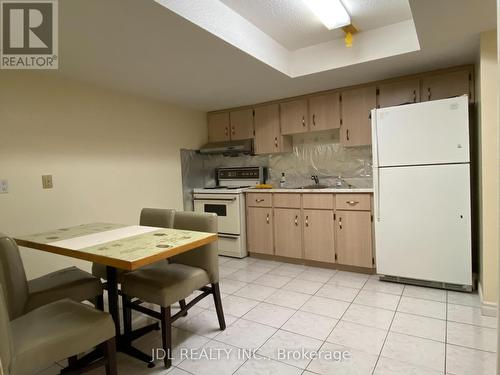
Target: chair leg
x=166, y=335
x=99, y=302
x=110, y=356
x=218, y=306
x=127, y=317
x=72, y=362
x=182, y=304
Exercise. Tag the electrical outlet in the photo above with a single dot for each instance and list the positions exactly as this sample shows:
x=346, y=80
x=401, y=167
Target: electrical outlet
x=47, y=181
x=4, y=186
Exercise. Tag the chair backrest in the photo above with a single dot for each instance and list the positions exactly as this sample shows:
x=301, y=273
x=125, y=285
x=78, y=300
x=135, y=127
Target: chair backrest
x=6, y=346
x=13, y=277
x=206, y=256
x=157, y=217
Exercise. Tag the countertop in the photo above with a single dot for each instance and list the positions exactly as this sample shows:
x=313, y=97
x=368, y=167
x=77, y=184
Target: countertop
x=328, y=190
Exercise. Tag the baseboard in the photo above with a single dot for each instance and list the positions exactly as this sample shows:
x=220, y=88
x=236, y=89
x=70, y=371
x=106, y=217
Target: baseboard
x=487, y=308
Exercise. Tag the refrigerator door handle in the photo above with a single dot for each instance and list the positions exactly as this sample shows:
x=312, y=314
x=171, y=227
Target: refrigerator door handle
x=376, y=178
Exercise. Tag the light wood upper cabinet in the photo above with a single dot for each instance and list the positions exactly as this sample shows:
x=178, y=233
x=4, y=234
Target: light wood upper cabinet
x=218, y=127
x=356, y=116
x=260, y=230
x=319, y=235
x=447, y=85
x=354, y=238
x=241, y=124
x=293, y=117
x=288, y=232
x=268, y=138
x=399, y=92
x=324, y=112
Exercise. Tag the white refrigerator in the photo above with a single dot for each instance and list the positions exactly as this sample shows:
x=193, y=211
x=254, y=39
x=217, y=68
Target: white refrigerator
x=422, y=201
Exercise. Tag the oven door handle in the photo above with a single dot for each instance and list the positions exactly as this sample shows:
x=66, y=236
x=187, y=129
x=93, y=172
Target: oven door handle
x=215, y=199
x=233, y=237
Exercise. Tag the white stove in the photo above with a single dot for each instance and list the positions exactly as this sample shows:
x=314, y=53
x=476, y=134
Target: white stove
x=222, y=190
x=227, y=200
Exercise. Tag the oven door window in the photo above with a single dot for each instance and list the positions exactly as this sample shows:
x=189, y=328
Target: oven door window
x=219, y=209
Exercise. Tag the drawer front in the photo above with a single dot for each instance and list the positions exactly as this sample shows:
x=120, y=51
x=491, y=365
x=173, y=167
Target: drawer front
x=318, y=201
x=358, y=202
x=259, y=199
x=286, y=200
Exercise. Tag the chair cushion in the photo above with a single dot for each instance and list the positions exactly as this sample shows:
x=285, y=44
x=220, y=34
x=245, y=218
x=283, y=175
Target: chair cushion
x=99, y=271
x=69, y=282
x=207, y=256
x=12, y=276
x=164, y=284
x=157, y=217
x=6, y=347
x=57, y=331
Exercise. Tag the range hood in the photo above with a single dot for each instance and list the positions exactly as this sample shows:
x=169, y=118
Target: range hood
x=228, y=148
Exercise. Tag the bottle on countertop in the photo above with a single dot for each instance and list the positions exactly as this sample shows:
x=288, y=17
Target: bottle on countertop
x=282, y=180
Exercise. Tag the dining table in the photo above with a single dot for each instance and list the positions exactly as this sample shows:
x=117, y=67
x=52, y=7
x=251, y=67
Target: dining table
x=118, y=247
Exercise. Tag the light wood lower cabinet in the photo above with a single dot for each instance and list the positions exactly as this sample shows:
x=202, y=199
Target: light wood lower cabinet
x=327, y=228
x=354, y=238
x=260, y=230
x=319, y=235
x=288, y=232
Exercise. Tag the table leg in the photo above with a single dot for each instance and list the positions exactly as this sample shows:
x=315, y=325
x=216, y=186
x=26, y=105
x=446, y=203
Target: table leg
x=124, y=343
x=112, y=283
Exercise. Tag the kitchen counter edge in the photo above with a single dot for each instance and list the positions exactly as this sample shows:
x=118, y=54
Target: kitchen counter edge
x=321, y=191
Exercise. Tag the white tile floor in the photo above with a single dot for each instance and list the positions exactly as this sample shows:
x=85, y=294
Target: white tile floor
x=386, y=328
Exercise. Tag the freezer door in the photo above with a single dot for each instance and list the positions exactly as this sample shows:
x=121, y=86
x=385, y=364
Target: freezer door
x=433, y=132
x=423, y=223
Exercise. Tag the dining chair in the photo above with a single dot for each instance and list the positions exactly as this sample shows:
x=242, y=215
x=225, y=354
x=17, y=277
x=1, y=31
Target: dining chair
x=23, y=295
x=164, y=284
x=150, y=217
x=54, y=332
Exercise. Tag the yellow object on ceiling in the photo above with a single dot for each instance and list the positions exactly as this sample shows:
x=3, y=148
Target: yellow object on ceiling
x=349, y=30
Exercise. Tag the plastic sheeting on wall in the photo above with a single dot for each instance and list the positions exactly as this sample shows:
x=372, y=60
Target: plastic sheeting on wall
x=312, y=155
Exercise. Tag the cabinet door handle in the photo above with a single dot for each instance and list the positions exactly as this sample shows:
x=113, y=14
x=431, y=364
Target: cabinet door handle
x=303, y=121
x=347, y=134
x=428, y=93
x=340, y=223
x=307, y=221
x=259, y=200
x=296, y=221
x=267, y=218
x=232, y=130
x=414, y=96
x=275, y=141
x=314, y=120
x=352, y=203
x=226, y=131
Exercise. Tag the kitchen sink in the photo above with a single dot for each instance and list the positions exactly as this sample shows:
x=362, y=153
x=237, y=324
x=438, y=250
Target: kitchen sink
x=315, y=186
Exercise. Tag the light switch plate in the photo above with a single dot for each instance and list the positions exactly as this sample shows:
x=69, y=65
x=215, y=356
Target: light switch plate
x=4, y=186
x=47, y=181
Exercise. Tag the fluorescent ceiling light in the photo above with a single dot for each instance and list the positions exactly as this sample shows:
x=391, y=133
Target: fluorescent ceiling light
x=331, y=12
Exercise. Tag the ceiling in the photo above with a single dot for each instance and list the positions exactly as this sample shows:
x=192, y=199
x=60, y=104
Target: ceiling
x=232, y=27
x=143, y=48
x=292, y=24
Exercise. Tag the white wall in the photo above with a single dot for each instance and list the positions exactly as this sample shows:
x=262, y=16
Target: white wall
x=110, y=154
x=489, y=166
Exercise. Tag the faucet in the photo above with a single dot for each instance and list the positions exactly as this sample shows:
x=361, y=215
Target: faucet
x=315, y=178
x=341, y=181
